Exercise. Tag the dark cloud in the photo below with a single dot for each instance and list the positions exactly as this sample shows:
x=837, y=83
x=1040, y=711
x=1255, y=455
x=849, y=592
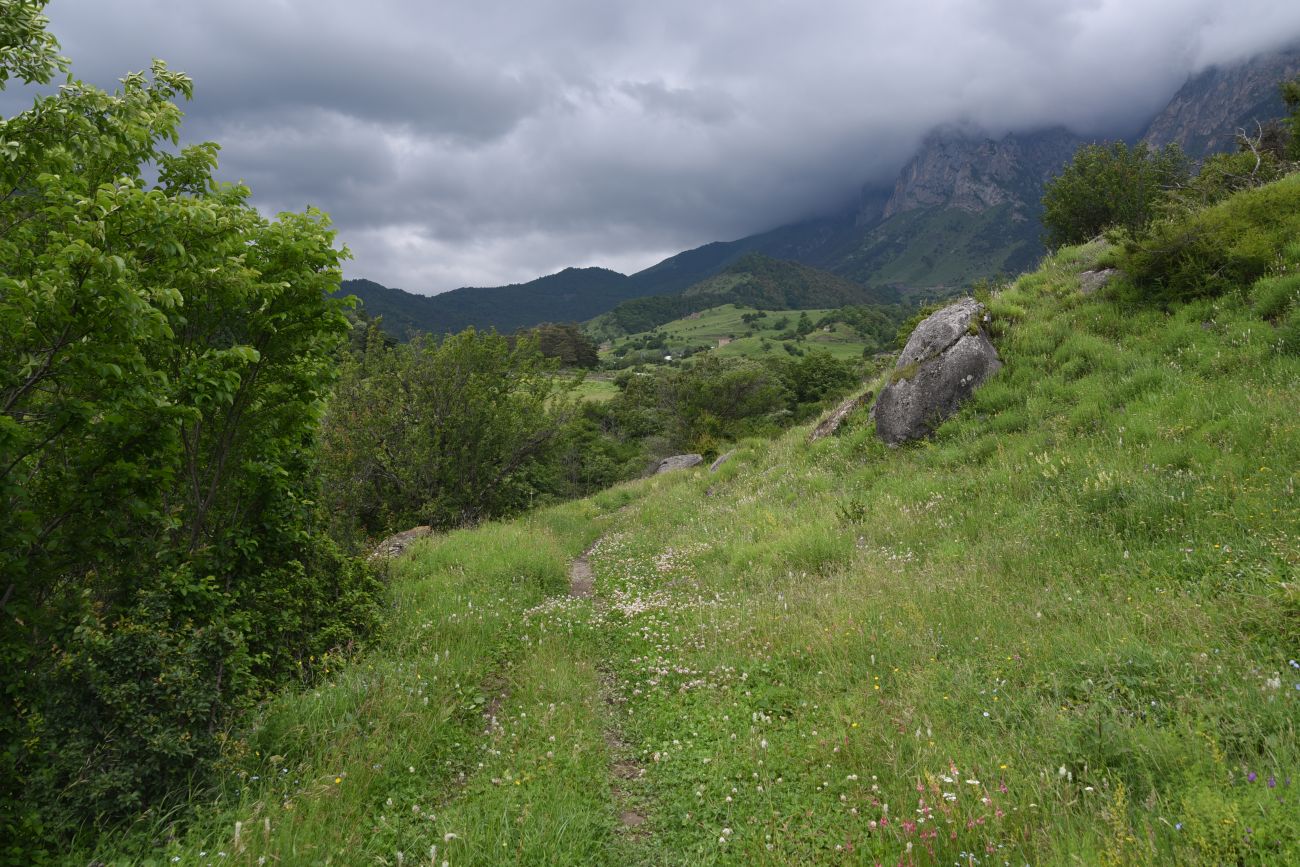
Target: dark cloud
x=488, y=142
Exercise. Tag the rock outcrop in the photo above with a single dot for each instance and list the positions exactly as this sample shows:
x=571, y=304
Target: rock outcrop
x=1091, y=281
x=678, y=462
x=831, y=424
x=961, y=167
x=946, y=358
x=722, y=459
x=396, y=544
x=1205, y=114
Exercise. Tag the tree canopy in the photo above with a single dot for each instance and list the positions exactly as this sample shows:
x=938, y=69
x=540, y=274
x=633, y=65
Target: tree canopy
x=165, y=353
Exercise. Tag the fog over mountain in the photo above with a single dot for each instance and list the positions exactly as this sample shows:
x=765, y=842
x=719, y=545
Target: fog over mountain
x=491, y=142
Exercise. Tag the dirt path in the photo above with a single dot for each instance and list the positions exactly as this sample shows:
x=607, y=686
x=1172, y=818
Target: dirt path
x=623, y=767
x=580, y=577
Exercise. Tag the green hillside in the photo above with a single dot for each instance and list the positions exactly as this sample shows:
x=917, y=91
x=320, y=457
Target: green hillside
x=1063, y=631
x=943, y=249
x=734, y=330
x=754, y=280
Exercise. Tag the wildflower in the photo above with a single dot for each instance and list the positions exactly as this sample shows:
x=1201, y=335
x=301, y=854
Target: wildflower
x=1250, y=777
x=1272, y=781
x=338, y=780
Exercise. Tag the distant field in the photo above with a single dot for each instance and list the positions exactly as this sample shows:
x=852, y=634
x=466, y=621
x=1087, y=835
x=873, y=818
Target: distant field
x=596, y=389
x=711, y=327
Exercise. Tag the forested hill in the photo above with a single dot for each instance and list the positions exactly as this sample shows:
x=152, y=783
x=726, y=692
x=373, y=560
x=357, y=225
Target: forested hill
x=572, y=295
x=754, y=280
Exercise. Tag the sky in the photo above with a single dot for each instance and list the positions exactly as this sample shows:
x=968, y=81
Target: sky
x=485, y=142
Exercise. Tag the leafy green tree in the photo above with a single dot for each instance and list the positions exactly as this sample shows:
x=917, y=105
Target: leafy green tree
x=1110, y=185
x=565, y=342
x=164, y=356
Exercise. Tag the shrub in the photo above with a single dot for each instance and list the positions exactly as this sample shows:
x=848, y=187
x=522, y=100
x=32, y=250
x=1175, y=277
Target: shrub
x=1219, y=249
x=1273, y=296
x=1110, y=185
x=441, y=434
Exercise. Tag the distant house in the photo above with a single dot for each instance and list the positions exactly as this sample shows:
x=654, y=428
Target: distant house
x=668, y=358
x=723, y=341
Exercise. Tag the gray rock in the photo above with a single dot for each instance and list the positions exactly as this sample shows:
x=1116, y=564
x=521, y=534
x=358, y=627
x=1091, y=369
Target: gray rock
x=831, y=424
x=396, y=544
x=1091, y=281
x=713, y=467
x=946, y=358
x=678, y=462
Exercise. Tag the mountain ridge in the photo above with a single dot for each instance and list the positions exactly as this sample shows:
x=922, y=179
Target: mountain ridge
x=965, y=207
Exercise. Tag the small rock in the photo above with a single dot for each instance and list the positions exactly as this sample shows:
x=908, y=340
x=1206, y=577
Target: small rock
x=1091, y=281
x=831, y=424
x=678, y=462
x=713, y=467
x=396, y=544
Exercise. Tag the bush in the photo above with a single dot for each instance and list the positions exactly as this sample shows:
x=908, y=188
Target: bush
x=440, y=434
x=1110, y=185
x=1222, y=248
x=1273, y=296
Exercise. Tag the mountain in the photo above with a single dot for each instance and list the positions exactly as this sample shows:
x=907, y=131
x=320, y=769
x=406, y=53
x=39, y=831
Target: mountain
x=572, y=295
x=753, y=280
x=1205, y=114
x=965, y=207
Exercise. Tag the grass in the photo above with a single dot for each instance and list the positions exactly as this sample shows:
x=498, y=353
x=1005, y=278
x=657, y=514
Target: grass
x=708, y=328
x=1065, y=630
x=595, y=388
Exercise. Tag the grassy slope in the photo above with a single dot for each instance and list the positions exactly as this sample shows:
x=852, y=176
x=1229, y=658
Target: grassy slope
x=1052, y=633
x=943, y=247
x=718, y=322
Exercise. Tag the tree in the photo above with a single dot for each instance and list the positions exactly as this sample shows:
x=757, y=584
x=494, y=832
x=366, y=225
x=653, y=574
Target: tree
x=1110, y=185
x=164, y=356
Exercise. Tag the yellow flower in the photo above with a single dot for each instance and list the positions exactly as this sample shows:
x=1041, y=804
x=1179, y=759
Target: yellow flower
x=338, y=780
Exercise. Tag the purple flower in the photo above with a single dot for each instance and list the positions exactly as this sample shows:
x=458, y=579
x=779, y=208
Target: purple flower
x=1178, y=827
x=1272, y=781
x=1250, y=778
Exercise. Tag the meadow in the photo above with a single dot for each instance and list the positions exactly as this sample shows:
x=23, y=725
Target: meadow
x=1064, y=630
x=707, y=328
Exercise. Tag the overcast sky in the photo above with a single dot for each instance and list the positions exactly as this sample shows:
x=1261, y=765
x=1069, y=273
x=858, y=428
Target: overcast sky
x=486, y=142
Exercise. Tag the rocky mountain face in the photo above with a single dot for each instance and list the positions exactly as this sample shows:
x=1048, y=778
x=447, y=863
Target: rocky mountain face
x=963, y=168
x=1205, y=114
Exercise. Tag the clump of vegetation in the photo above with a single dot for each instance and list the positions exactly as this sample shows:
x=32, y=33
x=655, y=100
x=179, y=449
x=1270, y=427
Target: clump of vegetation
x=1209, y=252
x=1110, y=185
x=442, y=434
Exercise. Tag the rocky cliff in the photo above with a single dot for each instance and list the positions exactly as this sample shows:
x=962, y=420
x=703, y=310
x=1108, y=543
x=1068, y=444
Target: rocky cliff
x=963, y=168
x=1205, y=114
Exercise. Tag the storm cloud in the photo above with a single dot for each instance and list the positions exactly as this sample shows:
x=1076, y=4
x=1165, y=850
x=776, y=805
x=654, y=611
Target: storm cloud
x=478, y=143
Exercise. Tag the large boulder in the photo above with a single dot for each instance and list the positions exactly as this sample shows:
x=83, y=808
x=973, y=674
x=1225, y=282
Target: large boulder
x=678, y=462
x=946, y=357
